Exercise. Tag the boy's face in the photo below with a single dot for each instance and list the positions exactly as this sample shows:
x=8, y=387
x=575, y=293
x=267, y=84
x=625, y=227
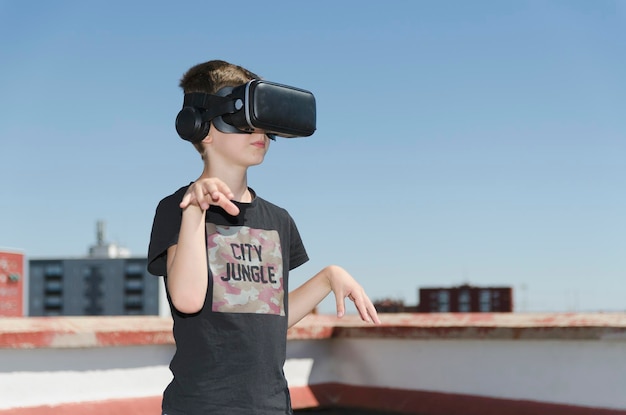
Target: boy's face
x=242, y=150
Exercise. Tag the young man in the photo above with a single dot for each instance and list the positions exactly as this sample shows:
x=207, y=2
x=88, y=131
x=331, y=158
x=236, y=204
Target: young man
x=225, y=254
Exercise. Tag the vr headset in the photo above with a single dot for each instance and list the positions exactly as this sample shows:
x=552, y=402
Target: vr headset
x=275, y=109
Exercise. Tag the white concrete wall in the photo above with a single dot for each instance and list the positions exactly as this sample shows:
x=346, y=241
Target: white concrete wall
x=48, y=376
x=586, y=373
x=575, y=372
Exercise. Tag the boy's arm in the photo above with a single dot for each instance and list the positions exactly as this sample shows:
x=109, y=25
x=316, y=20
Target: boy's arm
x=187, y=267
x=187, y=264
x=334, y=279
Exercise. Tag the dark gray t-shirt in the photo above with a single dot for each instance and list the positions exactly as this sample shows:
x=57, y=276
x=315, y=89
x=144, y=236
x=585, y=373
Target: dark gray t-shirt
x=229, y=356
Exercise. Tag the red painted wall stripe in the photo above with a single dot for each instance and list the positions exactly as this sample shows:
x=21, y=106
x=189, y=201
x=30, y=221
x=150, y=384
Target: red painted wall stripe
x=336, y=395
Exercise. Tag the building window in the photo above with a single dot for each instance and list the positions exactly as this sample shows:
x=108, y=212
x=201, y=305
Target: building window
x=134, y=289
x=443, y=298
x=93, y=291
x=53, y=289
x=53, y=286
x=464, y=301
x=485, y=300
x=134, y=268
x=53, y=306
x=53, y=270
x=495, y=297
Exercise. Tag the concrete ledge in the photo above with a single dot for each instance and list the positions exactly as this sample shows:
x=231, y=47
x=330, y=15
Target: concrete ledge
x=40, y=332
x=501, y=326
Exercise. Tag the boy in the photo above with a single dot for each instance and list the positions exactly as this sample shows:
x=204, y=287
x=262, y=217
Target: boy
x=225, y=254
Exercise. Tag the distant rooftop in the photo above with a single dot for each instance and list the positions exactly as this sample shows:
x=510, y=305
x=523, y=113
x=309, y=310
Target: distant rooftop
x=104, y=249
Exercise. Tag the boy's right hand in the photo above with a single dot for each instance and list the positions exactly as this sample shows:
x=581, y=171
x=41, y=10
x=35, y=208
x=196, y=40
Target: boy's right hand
x=210, y=191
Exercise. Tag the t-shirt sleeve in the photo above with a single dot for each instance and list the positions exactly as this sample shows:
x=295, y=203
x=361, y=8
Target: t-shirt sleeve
x=165, y=229
x=298, y=255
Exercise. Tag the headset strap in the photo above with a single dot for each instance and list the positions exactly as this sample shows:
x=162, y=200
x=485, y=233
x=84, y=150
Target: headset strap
x=213, y=104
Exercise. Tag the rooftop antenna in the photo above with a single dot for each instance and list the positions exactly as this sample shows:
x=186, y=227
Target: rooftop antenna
x=100, y=225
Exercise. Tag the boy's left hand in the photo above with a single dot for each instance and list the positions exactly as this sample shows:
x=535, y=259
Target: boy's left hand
x=345, y=286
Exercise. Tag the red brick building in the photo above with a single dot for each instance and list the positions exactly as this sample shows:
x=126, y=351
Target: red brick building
x=461, y=299
x=11, y=283
x=465, y=299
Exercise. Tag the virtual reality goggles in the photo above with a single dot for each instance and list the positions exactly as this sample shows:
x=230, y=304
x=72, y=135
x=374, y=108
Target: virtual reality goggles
x=275, y=109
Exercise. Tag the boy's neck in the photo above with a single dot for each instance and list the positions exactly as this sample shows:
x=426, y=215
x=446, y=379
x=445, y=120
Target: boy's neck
x=237, y=183
x=244, y=196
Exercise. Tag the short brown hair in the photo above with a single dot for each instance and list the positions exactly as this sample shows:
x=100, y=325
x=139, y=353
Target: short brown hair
x=209, y=77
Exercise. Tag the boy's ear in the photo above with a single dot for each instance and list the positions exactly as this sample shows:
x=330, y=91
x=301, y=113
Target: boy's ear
x=209, y=137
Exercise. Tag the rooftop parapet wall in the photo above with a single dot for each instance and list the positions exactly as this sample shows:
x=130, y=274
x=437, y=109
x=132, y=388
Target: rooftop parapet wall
x=455, y=326
x=42, y=332
x=61, y=332
x=522, y=364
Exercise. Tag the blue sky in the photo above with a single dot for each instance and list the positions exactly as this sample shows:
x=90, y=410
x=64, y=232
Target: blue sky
x=479, y=142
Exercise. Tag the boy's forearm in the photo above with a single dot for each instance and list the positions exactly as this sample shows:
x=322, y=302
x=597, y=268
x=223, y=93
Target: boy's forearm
x=305, y=298
x=187, y=269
